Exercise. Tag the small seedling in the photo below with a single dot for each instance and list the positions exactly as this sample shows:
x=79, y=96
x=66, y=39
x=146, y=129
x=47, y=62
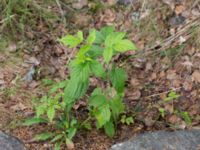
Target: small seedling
x=171, y=96
x=127, y=120
x=162, y=112
x=186, y=117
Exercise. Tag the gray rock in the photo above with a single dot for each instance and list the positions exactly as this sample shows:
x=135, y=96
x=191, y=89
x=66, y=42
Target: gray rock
x=162, y=140
x=8, y=142
x=126, y=2
x=30, y=74
x=176, y=20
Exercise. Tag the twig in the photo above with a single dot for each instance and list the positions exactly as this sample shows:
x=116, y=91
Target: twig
x=157, y=94
x=61, y=12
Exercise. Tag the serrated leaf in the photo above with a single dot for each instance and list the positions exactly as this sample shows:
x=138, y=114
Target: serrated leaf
x=51, y=113
x=124, y=45
x=118, y=77
x=97, y=69
x=109, y=129
x=84, y=49
x=103, y=115
x=105, y=31
x=97, y=101
x=33, y=121
x=74, y=90
x=95, y=51
x=72, y=41
x=107, y=54
x=92, y=36
x=43, y=136
x=117, y=107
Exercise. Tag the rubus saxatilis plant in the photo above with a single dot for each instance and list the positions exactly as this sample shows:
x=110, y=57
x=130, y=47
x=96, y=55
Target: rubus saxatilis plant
x=93, y=59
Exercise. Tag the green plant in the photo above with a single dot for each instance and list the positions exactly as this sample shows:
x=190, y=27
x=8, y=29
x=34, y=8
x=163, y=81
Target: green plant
x=162, y=112
x=127, y=120
x=105, y=105
x=186, y=117
x=171, y=96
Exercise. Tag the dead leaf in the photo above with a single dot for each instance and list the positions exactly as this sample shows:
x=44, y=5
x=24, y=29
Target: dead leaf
x=111, y=2
x=196, y=76
x=12, y=47
x=149, y=121
x=174, y=119
x=18, y=107
x=135, y=95
x=169, y=108
x=135, y=82
x=187, y=86
x=179, y=9
x=80, y=4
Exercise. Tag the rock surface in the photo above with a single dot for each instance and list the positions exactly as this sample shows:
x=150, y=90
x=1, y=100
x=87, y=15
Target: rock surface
x=8, y=142
x=126, y=2
x=162, y=140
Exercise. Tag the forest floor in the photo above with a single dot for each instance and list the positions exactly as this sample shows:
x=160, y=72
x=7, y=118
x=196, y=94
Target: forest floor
x=167, y=34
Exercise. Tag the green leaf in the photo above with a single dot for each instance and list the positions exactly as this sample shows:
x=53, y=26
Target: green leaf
x=124, y=45
x=87, y=126
x=57, y=137
x=92, y=36
x=97, y=69
x=83, y=50
x=57, y=146
x=102, y=115
x=109, y=129
x=80, y=35
x=105, y=31
x=71, y=132
x=74, y=90
x=95, y=51
x=97, y=101
x=40, y=110
x=43, y=136
x=110, y=40
x=117, y=107
x=72, y=41
x=97, y=91
x=186, y=117
x=51, y=113
x=118, y=77
x=47, y=82
x=129, y=120
x=57, y=86
x=107, y=54
x=33, y=121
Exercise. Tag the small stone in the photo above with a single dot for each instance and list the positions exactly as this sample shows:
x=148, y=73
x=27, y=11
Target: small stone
x=176, y=20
